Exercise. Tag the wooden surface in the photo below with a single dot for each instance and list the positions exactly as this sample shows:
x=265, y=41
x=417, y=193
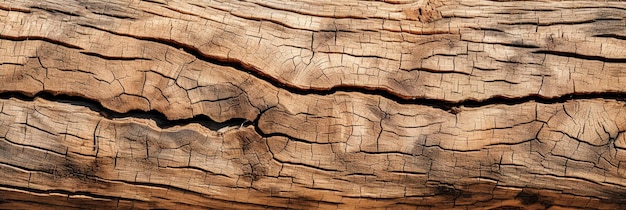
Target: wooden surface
x=313, y=104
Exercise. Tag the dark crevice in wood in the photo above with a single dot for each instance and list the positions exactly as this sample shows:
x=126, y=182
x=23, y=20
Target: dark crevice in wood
x=519, y=44
x=25, y=169
x=451, y=190
x=562, y=23
x=324, y=189
x=488, y=29
x=437, y=71
x=327, y=170
x=384, y=92
x=537, y=10
x=595, y=7
x=68, y=193
x=45, y=39
x=205, y=121
x=112, y=57
x=615, y=36
x=359, y=56
x=501, y=80
x=115, y=16
x=443, y=104
x=581, y=56
x=153, y=1
x=198, y=169
x=159, y=118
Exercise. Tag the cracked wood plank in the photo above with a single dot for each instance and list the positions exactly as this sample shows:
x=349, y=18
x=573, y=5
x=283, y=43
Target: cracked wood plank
x=308, y=104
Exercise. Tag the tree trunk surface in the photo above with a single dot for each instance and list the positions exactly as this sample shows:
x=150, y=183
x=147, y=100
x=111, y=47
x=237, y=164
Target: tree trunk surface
x=308, y=104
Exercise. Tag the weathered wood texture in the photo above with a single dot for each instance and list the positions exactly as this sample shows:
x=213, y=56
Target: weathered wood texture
x=312, y=104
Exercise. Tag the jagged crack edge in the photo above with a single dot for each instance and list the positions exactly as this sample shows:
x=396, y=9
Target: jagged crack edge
x=159, y=118
x=443, y=104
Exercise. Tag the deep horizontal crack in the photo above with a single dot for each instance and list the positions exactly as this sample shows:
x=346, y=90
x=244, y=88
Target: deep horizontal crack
x=581, y=56
x=443, y=104
x=46, y=39
x=198, y=169
x=162, y=121
x=561, y=22
x=615, y=36
x=65, y=192
x=113, y=57
x=159, y=118
x=115, y=15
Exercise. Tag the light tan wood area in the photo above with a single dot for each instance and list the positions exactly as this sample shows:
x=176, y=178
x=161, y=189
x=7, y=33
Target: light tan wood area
x=349, y=104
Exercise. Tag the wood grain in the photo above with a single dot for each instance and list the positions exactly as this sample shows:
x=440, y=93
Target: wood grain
x=403, y=104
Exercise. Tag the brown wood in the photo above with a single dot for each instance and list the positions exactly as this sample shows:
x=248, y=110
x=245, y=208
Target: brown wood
x=313, y=104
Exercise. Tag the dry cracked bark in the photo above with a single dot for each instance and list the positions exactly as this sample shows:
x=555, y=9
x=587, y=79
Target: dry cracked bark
x=312, y=104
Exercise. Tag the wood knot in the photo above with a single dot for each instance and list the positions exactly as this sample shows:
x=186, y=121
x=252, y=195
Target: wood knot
x=425, y=12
